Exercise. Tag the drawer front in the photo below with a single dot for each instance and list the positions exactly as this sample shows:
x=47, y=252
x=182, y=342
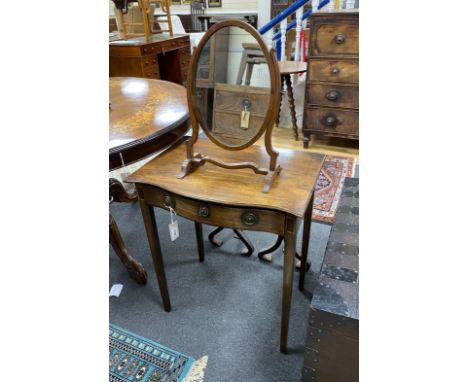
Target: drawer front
x=149, y=60
x=332, y=121
x=151, y=72
x=173, y=44
x=333, y=95
x=124, y=51
x=152, y=49
x=335, y=39
x=214, y=214
x=334, y=71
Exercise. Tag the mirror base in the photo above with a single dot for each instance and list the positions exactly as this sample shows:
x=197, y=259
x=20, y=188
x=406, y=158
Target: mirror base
x=191, y=164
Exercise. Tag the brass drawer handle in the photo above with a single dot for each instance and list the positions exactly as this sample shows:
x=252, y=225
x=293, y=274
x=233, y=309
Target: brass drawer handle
x=249, y=218
x=335, y=71
x=340, y=39
x=333, y=95
x=330, y=120
x=169, y=201
x=203, y=211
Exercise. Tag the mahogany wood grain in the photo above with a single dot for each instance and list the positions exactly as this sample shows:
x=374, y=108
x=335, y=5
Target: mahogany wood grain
x=288, y=273
x=134, y=268
x=290, y=193
x=153, y=239
x=346, y=71
x=144, y=116
x=161, y=57
x=231, y=199
x=346, y=124
x=332, y=95
x=344, y=96
x=266, y=128
x=335, y=34
x=305, y=243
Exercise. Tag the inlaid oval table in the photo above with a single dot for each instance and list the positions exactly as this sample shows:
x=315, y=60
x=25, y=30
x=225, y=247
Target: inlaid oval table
x=145, y=116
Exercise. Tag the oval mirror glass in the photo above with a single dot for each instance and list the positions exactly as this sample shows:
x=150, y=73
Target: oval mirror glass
x=231, y=87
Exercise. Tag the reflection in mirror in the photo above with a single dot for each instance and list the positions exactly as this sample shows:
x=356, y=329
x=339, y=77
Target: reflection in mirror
x=232, y=87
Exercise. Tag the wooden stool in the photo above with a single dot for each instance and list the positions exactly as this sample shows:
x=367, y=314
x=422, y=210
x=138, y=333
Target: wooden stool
x=251, y=55
x=287, y=68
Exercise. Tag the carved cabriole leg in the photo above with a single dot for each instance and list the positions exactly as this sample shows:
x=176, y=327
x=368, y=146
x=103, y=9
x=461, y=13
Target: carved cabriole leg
x=305, y=242
x=288, y=272
x=134, y=268
x=199, y=234
x=292, y=106
x=153, y=239
x=118, y=192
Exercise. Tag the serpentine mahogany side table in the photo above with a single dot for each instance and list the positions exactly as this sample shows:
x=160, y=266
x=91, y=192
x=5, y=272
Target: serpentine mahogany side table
x=232, y=199
x=145, y=116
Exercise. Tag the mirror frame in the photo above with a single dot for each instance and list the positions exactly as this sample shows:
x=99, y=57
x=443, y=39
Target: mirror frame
x=191, y=81
x=193, y=161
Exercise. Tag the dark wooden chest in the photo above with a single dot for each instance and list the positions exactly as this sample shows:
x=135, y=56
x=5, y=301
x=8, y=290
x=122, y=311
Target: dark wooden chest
x=332, y=344
x=332, y=89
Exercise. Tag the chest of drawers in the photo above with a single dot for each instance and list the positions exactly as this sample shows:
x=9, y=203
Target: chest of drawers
x=161, y=58
x=332, y=89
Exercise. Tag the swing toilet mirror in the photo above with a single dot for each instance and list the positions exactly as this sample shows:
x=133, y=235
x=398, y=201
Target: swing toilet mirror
x=233, y=95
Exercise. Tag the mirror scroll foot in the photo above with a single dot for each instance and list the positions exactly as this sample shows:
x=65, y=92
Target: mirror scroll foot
x=270, y=178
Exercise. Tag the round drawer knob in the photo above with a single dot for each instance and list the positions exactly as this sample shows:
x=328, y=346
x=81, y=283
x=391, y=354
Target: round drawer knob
x=249, y=218
x=330, y=120
x=203, y=211
x=169, y=201
x=333, y=95
x=335, y=70
x=340, y=38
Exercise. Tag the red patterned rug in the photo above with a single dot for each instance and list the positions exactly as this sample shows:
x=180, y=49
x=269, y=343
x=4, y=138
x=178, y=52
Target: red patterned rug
x=329, y=187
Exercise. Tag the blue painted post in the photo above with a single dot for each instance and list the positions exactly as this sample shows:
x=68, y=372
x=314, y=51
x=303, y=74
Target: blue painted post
x=278, y=49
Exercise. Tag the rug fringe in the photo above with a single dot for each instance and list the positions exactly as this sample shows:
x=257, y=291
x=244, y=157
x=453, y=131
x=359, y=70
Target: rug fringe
x=197, y=371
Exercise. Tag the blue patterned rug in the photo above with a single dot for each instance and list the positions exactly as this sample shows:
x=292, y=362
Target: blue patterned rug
x=134, y=358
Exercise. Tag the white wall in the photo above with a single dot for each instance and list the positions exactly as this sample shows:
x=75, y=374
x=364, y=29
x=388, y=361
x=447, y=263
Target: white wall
x=228, y=6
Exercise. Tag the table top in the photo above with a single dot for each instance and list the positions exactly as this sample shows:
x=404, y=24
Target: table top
x=291, y=191
x=141, y=40
x=143, y=109
x=292, y=67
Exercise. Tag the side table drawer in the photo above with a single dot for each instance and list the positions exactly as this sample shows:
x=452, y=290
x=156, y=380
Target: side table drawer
x=333, y=121
x=333, y=95
x=215, y=214
x=334, y=71
x=151, y=72
x=333, y=39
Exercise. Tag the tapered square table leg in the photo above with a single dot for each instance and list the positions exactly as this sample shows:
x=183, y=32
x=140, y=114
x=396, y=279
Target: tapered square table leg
x=288, y=272
x=305, y=242
x=201, y=248
x=152, y=233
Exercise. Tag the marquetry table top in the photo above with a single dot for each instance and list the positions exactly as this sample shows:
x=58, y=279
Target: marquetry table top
x=142, y=109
